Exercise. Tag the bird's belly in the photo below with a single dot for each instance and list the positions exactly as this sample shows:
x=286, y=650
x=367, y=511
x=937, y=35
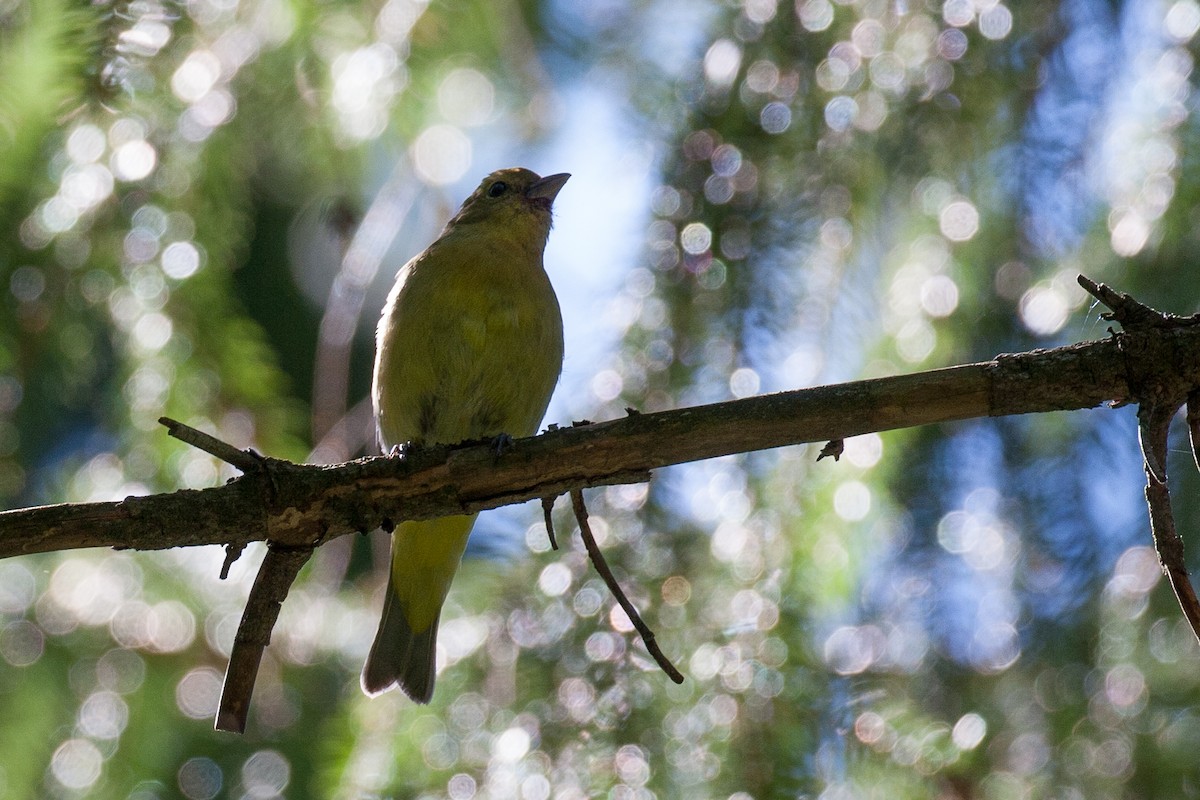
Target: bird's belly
x=480, y=375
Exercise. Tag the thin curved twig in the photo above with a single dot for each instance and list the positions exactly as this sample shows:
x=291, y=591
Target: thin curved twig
x=593, y=549
x=1154, y=422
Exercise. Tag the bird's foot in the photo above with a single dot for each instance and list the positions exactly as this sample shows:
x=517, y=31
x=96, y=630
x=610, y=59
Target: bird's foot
x=404, y=448
x=501, y=444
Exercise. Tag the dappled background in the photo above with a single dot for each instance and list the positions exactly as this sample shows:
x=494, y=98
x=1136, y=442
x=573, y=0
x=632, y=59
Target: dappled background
x=203, y=204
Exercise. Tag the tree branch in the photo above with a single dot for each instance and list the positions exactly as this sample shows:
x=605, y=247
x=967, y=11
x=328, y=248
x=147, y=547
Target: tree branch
x=598, y=561
x=275, y=577
x=1160, y=391
x=1154, y=362
x=306, y=505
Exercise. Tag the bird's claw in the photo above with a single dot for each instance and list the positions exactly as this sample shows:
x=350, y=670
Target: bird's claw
x=501, y=444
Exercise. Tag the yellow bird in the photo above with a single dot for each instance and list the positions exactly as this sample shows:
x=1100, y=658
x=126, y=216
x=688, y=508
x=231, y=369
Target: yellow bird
x=470, y=346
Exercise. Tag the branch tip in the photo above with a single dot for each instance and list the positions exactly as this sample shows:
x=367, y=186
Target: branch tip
x=233, y=552
x=245, y=461
x=548, y=516
x=833, y=449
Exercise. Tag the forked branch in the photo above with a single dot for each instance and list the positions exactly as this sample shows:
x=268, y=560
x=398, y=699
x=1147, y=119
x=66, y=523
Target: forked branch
x=1160, y=392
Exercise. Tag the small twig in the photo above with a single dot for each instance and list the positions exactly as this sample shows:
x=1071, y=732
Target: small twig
x=232, y=553
x=1129, y=311
x=833, y=449
x=244, y=460
x=1193, y=423
x=601, y=565
x=1153, y=425
x=275, y=577
x=547, y=514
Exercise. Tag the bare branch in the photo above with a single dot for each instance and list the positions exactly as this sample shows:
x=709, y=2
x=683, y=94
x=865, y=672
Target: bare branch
x=275, y=577
x=244, y=460
x=1130, y=312
x=306, y=505
x=1153, y=425
x=610, y=580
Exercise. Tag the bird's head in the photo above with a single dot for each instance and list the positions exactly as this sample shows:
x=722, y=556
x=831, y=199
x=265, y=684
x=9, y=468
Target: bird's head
x=513, y=197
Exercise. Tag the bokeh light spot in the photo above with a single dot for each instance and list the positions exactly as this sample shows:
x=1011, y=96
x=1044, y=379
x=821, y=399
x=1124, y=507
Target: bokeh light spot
x=676, y=590
x=180, y=260
x=365, y=82
x=152, y=332
x=958, y=12
x=864, y=451
x=744, y=382
x=851, y=650
x=607, y=385
x=198, y=691
x=441, y=154
x=775, y=117
x=696, y=238
x=461, y=787
x=959, y=221
x=86, y=144
x=134, y=160
x=939, y=296
x=1044, y=310
x=996, y=22
x=103, y=715
x=915, y=340
x=721, y=62
x=1182, y=20
x=555, y=579
x=466, y=97
x=815, y=15
x=266, y=774
x=21, y=643
x=1130, y=232
x=511, y=745
x=18, y=587
x=968, y=731
x=840, y=113
x=952, y=43
x=852, y=501
x=1125, y=688
x=200, y=779
x=76, y=764
x=198, y=74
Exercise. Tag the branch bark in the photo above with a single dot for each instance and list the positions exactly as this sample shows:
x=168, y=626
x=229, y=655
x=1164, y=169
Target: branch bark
x=298, y=505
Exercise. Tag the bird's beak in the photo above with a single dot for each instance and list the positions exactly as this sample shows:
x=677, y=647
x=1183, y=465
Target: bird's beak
x=547, y=188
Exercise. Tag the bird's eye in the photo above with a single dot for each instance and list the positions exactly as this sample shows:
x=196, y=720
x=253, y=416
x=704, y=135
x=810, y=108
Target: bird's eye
x=496, y=189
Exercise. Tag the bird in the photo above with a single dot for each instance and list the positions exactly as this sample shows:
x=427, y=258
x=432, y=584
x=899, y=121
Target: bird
x=469, y=346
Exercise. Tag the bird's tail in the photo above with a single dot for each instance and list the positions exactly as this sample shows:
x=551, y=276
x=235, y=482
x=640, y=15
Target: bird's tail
x=425, y=556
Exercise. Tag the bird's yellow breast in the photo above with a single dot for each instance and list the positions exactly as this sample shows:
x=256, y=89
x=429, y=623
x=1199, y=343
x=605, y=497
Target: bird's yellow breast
x=470, y=344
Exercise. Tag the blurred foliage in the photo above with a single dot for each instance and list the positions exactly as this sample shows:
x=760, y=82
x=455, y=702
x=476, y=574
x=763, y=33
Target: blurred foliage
x=832, y=190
